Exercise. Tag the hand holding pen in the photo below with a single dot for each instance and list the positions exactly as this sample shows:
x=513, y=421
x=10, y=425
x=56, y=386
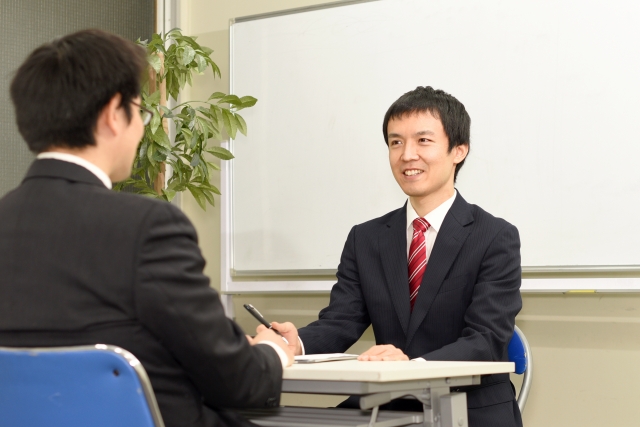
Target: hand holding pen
x=255, y=313
x=287, y=330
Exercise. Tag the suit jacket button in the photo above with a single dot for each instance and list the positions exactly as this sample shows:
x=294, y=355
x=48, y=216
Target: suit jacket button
x=272, y=401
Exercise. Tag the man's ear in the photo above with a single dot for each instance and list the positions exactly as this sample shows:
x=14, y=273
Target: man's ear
x=109, y=117
x=460, y=153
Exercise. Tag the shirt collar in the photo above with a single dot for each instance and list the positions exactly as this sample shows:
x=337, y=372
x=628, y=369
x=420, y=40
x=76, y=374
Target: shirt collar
x=435, y=217
x=65, y=157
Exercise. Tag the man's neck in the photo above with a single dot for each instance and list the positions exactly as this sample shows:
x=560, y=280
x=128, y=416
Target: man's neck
x=89, y=154
x=425, y=204
x=66, y=156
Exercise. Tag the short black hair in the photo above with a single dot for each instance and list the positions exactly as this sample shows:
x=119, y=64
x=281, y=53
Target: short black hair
x=60, y=89
x=451, y=112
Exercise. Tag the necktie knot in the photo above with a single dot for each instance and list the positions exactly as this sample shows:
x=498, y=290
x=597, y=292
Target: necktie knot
x=420, y=224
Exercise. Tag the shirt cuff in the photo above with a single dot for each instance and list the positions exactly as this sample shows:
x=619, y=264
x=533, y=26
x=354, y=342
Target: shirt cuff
x=281, y=354
x=301, y=346
x=418, y=359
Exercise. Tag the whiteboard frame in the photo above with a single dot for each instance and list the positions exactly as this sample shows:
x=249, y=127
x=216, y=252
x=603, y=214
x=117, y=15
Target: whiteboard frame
x=567, y=279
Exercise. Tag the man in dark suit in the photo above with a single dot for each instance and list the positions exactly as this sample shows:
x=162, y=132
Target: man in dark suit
x=82, y=264
x=439, y=278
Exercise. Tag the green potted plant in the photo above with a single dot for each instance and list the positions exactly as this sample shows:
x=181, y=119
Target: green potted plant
x=199, y=125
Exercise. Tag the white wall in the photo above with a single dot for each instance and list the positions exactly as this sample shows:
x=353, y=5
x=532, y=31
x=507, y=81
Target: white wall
x=586, y=347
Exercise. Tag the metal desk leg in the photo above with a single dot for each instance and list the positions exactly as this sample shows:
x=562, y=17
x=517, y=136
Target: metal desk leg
x=453, y=410
x=441, y=407
x=373, y=401
x=445, y=409
x=374, y=417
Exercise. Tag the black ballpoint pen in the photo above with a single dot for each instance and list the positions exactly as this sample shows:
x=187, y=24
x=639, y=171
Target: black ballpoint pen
x=255, y=313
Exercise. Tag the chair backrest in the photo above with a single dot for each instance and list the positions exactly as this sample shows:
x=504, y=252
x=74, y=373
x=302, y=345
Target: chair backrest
x=96, y=386
x=520, y=354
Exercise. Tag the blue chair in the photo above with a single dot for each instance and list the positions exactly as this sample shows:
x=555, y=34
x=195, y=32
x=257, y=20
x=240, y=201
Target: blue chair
x=95, y=386
x=520, y=354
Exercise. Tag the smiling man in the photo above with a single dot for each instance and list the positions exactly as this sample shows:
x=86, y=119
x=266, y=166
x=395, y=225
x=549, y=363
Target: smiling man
x=439, y=278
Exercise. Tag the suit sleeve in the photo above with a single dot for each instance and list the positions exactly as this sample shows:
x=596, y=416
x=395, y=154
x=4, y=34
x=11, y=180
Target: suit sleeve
x=345, y=319
x=490, y=317
x=175, y=302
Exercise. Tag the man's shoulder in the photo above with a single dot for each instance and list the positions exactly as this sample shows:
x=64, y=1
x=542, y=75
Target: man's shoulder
x=385, y=220
x=139, y=206
x=93, y=202
x=483, y=220
x=132, y=199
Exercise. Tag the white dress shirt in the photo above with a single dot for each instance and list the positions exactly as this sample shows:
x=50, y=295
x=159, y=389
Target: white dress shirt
x=102, y=176
x=435, y=219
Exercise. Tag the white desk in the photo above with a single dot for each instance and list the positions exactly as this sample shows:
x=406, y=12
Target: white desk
x=381, y=382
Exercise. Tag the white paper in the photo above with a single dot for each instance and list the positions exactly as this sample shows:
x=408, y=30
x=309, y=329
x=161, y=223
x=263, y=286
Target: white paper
x=327, y=357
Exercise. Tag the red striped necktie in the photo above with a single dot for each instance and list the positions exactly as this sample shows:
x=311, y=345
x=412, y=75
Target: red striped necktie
x=417, y=258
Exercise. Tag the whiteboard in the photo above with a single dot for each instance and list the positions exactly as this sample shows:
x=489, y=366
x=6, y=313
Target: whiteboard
x=552, y=88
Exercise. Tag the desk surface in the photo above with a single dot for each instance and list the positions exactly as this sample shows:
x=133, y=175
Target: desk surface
x=353, y=370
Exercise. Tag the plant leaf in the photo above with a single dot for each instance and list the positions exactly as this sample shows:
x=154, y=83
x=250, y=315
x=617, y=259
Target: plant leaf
x=150, y=151
x=170, y=194
x=248, y=101
x=194, y=139
x=202, y=64
x=206, y=50
x=208, y=196
x=221, y=153
x=229, y=123
x=185, y=55
x=153, y=99
x=217, y=95
x=143, y=149
x=166, y=112
x=207, y=127
x=214, y=111
x=195, y=161
x=182, y=79
x=197, y=194
x=214, y=67
x=242, y=125
x=161, y=137
x=158, y=157
x=156, y=42
x=231, y=99
x=155, y=122
x=155, y=62
x=211, y=187
x=213, y=166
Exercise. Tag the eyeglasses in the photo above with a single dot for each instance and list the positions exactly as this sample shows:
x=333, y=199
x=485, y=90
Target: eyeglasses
x=145, y=113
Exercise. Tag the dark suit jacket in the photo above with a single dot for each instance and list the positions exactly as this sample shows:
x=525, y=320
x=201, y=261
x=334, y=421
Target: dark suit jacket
x=465, y=309
x=81, y=264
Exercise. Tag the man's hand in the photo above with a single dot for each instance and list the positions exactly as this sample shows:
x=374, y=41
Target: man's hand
x=289, y=331
x=383, y=353
x=268, y=335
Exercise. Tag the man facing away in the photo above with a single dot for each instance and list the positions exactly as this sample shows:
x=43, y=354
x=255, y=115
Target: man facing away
x=82, y=264
x=439, y=278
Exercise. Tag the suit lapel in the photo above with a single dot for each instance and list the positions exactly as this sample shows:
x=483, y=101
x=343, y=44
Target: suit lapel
x=451, y=237
x=393, y=250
